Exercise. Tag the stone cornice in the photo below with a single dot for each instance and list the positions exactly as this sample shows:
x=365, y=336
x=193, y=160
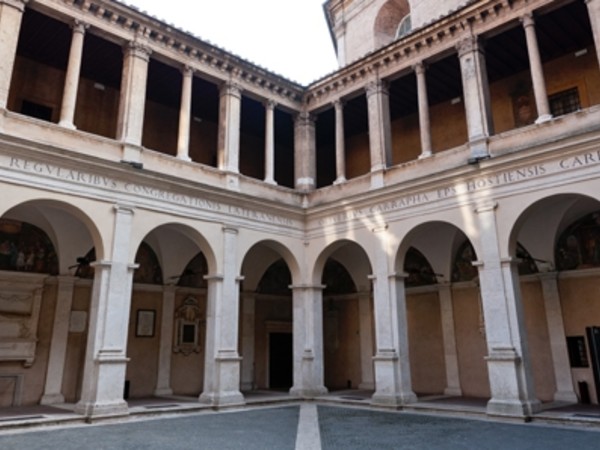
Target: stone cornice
x=428, y=42
x=182, y=46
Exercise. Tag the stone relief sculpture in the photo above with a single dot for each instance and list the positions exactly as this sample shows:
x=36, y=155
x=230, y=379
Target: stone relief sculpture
x=188, y=317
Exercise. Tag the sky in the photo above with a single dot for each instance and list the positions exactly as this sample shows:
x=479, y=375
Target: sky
x=288, y=37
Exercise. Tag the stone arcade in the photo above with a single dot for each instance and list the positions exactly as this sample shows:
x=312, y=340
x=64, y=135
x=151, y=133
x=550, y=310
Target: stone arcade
x=175, y=220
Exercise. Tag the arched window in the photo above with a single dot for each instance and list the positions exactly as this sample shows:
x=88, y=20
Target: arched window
x=404, y=27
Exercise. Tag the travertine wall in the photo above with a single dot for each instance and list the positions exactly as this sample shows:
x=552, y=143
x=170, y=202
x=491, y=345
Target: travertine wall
x=426, y=11
x=426, y=343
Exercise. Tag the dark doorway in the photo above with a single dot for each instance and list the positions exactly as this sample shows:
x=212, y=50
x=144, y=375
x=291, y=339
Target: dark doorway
x=593, y=335
x=280, y=361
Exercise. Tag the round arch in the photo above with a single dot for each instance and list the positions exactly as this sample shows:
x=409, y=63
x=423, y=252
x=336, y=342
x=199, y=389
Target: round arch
x=349, y=254
x=71, y=230
x=260, y=256
x=538, y=225
x=175, y=244
x=437, y=241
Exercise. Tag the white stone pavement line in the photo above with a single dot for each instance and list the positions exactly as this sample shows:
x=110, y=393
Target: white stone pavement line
x=308, y=437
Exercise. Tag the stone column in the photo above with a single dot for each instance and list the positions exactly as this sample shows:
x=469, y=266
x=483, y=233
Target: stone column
x=537, y=70
x=130, y=124
x=508, y=361
x=58, y=344
x=558, y=340
x=222, y=364
x=105, y=358
x=185, y=115
x=476, y=95
x=308, y=341
x=11, y=14
x=424, y=122
x=365, y=309
x=69, y=100
x=305, y=158
x=163, y=382
x=594, y=13
x=340, y=146
x=230, y=108
x=393, y=386
x=248, y=336
x=380, y=130
x=449, y=336
x=270, y=142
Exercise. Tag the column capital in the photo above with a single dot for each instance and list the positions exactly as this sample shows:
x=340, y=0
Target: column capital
x=305, y=118
x=230, y=230
x=231, y=88
x=307, y=287
x=124, y=209
x=187, y=70
x=138, y=50
x=420, y=68
x=78, y=26
x=377, y=86
x=213, y=278
x=527, y=20
x=338, y=103
x=270, y=104
x=17, y=4
x=486, y=207
x=398, y=276
x=468, y=45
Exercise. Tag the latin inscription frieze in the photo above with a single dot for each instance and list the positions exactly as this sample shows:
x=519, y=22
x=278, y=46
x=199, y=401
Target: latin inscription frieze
x=147, y=191
x=469, y=186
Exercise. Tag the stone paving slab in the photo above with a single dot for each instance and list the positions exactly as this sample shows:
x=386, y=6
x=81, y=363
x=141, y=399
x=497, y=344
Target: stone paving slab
x=352, y=428
x=258, y=429
x=276, y=428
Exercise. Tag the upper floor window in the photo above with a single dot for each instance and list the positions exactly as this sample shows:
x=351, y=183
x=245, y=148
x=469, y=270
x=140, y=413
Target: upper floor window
x=564, y=102
x=404, y=27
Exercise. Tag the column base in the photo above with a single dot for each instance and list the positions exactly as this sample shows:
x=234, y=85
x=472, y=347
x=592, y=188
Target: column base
x=52, y=399
x=393, y=387
x=270, y=181
x=305, y=184
x=232, y=181
x=132, y=153
x=543, y=118
x=94, y=410
x=308, y=393
x=163, y=392
x=223, y=399
x=377, y=178
x=479, y=149
x=513, y=408
x=184, y=158
x=367, y=386
x=67, y=125
x=425, y=155
x=453, y=391
x=566, y=396
x=340, y=180
x=393, y=399
x=509, y=396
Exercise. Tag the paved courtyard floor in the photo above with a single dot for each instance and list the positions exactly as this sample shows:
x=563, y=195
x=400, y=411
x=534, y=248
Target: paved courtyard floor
x=303, y=427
